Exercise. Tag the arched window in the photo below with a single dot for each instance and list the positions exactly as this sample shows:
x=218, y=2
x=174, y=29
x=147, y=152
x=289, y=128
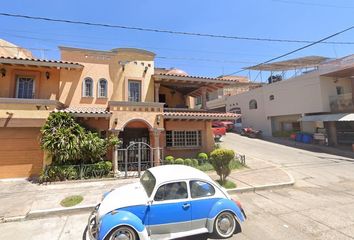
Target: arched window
x=271, y=97
x=102, y=88
x=253, y=104
x=87, y=88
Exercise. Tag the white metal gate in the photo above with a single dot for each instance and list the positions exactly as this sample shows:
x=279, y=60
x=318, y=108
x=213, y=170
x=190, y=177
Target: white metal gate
x=138, y=157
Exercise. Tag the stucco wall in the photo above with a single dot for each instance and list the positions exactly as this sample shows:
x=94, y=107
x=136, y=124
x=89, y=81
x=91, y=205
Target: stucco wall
x=207, y=138
x=172, y=100
x=116, y=67
x=308, y=93
x=329, y=88
x=44, y=88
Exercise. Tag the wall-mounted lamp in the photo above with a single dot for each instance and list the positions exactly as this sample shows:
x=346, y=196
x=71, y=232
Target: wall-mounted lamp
x=47, y=75
x=115, y=121
x=146, y=69
x=158, y=119
x=3, y=72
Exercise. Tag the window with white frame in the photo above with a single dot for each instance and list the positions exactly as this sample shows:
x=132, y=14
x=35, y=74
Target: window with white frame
x=102, y=88
x=183, y=138
x=87, y=88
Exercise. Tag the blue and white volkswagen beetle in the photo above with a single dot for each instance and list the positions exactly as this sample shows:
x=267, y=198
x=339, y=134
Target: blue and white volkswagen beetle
x=170, y=201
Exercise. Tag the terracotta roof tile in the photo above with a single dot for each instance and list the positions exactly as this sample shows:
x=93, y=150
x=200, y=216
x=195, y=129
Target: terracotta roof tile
x=86, y=110
x=231, y=80
x=200, y=115
x=39, y=60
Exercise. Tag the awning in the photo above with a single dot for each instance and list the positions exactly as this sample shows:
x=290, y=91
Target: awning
x=328, y=117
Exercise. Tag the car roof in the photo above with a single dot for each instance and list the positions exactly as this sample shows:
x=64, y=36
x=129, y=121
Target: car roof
x=167, y=173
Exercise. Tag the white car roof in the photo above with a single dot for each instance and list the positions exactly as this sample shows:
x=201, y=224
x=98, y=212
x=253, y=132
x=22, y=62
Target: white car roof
x=167, y=173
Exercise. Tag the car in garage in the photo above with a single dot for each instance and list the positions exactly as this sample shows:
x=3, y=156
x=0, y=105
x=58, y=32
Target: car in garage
x=168, y=202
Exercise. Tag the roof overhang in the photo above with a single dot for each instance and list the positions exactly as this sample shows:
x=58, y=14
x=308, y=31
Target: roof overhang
x=38, y=63
x=341, y=68
x=338, y=117
x=191, y=85
x=291, y=64
x=87, y=112
x=180, y=114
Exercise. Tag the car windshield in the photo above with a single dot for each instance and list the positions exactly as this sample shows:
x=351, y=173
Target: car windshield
x=148, y=181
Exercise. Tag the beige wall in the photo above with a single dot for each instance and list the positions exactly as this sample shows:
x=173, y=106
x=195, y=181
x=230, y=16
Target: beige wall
x=173, y=100
x=107, y=65
x=308, y=93
x=44, y=88
x=329, y=88
x=207, y=138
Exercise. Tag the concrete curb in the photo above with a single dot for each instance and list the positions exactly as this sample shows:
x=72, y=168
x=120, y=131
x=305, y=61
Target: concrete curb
x=59, y=211
x=261, y=187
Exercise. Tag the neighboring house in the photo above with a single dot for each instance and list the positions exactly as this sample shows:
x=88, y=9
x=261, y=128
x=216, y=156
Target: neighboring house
x=217, y=99
x=115, y=92
x=316, y=100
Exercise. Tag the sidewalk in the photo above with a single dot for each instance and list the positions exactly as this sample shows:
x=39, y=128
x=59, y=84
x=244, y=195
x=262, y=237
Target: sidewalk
x=20, y=200
x=340, y=151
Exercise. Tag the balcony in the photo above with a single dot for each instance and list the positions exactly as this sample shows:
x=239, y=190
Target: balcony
x=342, y=103
x=29, y=104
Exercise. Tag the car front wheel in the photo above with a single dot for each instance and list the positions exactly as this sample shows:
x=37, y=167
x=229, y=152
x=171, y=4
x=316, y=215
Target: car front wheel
x=225, y=225
x=123, y=233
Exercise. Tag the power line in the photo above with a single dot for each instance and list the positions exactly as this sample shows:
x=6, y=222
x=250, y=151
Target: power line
x=162, y=30
x=298, y=49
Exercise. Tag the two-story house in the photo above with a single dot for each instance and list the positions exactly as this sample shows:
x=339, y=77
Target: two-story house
x=317, y=97
x=114, y=92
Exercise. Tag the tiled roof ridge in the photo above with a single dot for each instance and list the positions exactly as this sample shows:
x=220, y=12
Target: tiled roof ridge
x=38, y=60
x=201, y=77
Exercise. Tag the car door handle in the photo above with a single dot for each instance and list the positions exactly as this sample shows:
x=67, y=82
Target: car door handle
x=186, y=206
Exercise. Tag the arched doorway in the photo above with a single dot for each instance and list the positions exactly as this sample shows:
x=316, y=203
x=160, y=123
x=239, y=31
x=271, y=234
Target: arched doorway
x=136, y=154
x=135, y=131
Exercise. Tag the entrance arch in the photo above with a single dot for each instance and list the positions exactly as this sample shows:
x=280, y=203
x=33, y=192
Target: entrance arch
x=135, y=130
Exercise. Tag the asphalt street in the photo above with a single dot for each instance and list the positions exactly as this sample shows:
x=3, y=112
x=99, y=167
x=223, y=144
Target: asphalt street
x=319, y=206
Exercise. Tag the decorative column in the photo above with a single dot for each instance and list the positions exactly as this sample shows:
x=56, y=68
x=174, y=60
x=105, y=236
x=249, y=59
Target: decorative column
x=157, y=156
x=157, y=90
x=332, y=134
x=204, y=98
x=115, y=155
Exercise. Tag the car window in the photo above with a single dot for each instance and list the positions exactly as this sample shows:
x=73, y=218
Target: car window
x=201, y=189
x=171, y=191
x=148, y=181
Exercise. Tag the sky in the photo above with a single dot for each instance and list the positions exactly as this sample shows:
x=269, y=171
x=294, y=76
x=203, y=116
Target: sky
x=203, y=56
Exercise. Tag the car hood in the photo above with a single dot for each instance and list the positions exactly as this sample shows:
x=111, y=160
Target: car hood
x=128, y=195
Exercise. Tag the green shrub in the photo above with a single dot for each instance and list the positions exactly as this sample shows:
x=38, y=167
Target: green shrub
x=195, y=162
x=220, y=159
x=103, y=167
x=202, y=157
x=179, y=161
x=169, y=160
x=188, y=162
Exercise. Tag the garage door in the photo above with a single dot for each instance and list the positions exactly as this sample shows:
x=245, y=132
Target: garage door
x=20, y=153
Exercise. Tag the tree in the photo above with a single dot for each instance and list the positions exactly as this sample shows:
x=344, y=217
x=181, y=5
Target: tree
x=61, y=137
x=220, y=159
x=69, y=143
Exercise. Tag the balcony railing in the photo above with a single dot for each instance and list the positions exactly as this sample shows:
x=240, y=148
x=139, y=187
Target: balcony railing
x=342, y=103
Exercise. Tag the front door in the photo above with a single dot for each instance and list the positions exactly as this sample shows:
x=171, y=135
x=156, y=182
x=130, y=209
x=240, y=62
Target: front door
x=170, y=211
